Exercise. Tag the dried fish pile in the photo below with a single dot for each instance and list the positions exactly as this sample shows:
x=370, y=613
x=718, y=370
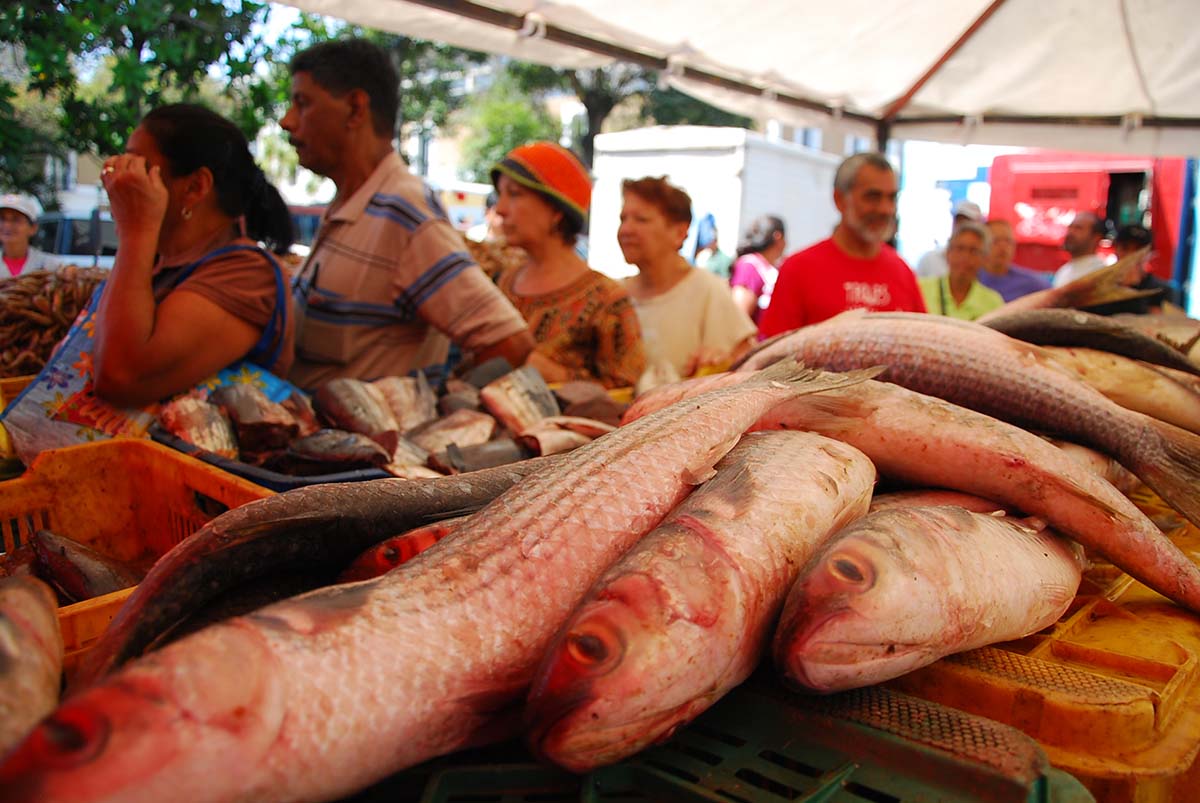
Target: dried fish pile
x=397, y=424
x=36, y=310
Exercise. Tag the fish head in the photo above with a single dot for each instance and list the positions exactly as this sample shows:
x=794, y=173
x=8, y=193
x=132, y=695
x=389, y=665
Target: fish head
x=161, y=729
x=615, y=679
x=864, y=611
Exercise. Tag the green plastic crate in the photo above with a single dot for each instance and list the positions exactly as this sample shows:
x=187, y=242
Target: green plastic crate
x=764, y=744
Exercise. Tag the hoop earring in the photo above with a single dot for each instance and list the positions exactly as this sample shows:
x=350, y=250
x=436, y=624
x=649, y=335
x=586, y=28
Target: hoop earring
x=185, y=213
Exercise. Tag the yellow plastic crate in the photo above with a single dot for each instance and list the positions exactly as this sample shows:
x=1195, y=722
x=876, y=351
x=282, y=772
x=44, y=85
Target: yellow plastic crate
x=1111, y=692
x=10, y=388
x=130, y=499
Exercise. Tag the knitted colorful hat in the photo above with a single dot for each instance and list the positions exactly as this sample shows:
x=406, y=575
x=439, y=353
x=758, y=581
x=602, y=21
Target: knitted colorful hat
x=554, y=172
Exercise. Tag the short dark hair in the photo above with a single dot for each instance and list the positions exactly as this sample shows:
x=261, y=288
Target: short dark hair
x=1133, y=234
x=343, y=65
x=674, y=203
x=760, y=235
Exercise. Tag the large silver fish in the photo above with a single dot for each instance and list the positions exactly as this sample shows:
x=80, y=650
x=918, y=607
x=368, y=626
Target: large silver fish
x=314, y=697
x=973, y=366
x=927, y=441
x=686, y=614
x=901, y=588
x=31, y=657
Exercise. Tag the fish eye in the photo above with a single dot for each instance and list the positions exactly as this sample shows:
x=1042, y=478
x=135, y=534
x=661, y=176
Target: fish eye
x=587, y=648
x=849, y=570
x=69, y=738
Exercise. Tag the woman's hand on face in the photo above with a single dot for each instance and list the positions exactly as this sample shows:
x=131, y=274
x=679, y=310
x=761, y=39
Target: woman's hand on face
x=136, y=194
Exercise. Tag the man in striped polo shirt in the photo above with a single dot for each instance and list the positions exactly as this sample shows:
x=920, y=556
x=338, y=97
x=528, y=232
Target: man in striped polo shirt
x=388, y=283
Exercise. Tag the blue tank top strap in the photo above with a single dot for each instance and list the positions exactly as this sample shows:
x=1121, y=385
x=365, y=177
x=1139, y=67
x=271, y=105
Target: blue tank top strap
x=271, y=342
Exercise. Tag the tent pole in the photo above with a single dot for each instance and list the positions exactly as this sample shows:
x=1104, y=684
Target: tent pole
x=883, y=133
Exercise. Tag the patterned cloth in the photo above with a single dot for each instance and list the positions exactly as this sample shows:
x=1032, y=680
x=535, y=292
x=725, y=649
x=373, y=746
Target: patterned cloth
x=589, y=327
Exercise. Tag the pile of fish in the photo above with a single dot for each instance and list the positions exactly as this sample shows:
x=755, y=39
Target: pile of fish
x=75, y=571
x=598, y=600
x=36, y=310
x=494, y=416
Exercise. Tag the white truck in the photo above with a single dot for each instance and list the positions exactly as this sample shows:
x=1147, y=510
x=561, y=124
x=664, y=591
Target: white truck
x=732, y=173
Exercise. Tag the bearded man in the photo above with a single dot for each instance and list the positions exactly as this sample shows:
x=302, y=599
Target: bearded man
x=856, y=268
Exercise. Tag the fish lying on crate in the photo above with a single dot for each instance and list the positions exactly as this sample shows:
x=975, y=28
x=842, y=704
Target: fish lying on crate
x=78, y=571
x=31, y=657
x=903, y=587
x=927, y=441
x=513, y=417
x=969, y=364
x=686, y=614
x=318, y=696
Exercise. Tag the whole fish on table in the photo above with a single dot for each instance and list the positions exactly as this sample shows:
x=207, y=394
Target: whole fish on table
x=320, y=527
x=687, y=613
x=318, y=696
x=927, y=441
x=387, y=555
x=901, y=588
x=31, y=657
x=77, y=570
x=973, y=366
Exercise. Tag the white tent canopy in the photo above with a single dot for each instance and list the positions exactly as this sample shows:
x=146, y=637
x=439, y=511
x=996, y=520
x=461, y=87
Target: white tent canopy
x=1101, y=75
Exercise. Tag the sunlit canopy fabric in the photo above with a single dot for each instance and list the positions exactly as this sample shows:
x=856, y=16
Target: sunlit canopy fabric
x=1104, y=75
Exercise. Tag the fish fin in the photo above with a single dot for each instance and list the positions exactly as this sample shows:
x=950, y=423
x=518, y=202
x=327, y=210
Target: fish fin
x=1106, y=285
x=703, y=467
x=1175, y=474
x=815, y=380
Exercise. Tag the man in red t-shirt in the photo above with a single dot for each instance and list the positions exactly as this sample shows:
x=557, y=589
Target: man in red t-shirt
x=855, y=268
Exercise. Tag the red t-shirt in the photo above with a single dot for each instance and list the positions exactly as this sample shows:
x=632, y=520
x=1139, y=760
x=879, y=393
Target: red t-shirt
x=14, y=265
x=822, y=280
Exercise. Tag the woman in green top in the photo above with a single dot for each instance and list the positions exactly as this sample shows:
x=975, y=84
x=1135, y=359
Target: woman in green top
x=959, y=293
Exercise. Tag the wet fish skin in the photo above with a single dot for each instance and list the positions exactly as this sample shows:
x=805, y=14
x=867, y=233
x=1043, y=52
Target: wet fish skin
x=927, y=441
x=687, y=613
x=519, y=399
x=1080, y=329
x=319, y=526
x=462, y=427
x=901, y=588
x=339, y=447
x=261, y=424
x=936, y=497
x=31, y=657
x=77, y=570
x=317, y=696
x=358, y=406
x=973, y=366
x=410, y=399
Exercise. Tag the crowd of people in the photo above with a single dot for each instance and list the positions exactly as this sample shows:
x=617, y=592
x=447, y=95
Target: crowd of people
x=391, y=287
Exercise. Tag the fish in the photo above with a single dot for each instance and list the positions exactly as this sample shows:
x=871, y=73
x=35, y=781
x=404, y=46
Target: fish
x=973, y=366
x=319, y=526
x=578, y=391
x=204, y=425
x=261, y=424
x=456, y=460
x=301, y=409
x=459, y=395
x=561, y=433
x=358, y=406
x=77, y=570
x=1103, y=286
x=601, y=408
x=1072, y=327
x=462, y=427
x=331, y=450
x=1132, y=384
x=519, y=399
x=688, y=612
x=18, y=562
x=320, y=695
x=929, y=442
x=901, y=588
x=1103, y=465
x=407, y=471
x=936, y=497
x=31, y=657
x=387, y=555
x=410, y=399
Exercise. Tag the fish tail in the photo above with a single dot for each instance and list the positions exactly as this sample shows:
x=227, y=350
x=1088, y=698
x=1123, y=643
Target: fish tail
x=1106, y=285
x=1175, y=473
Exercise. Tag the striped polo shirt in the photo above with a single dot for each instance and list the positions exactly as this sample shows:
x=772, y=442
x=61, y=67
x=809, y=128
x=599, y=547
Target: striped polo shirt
x=389, y=284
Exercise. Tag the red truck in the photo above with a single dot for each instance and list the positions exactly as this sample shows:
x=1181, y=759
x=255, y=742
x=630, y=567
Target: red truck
x=1040, y=191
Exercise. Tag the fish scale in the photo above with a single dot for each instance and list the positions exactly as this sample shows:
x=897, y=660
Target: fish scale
x=320, y=695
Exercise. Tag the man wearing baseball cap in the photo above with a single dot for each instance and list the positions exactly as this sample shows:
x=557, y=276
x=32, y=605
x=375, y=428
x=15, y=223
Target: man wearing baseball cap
x=18, y=224
x=934, y=264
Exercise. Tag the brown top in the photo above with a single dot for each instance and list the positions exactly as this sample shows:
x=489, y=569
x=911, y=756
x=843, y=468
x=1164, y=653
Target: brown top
x=243, y=284
x=589, y=327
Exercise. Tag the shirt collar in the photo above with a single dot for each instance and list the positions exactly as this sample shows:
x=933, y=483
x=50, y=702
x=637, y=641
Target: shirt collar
x=356, y=204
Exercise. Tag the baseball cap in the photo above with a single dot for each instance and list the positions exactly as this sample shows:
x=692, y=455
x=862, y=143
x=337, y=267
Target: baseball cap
x=969, y=210
x=27, y=205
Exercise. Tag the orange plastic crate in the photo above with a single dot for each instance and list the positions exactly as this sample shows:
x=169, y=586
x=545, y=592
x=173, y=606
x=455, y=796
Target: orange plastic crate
x=130, y=499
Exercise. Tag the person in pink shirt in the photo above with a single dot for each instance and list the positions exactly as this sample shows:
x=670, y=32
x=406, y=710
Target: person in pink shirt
x=18, y=225
x=853, y=269
x=755, y=272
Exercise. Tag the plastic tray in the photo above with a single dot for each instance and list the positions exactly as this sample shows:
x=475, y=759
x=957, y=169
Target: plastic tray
x=1112, y=691
x=762, y=743
x=261, y=476
x=10, y=388
x=130, y=499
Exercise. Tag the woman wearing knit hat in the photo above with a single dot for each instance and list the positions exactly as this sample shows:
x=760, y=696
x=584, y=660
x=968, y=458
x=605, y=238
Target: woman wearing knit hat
x=583, y=322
